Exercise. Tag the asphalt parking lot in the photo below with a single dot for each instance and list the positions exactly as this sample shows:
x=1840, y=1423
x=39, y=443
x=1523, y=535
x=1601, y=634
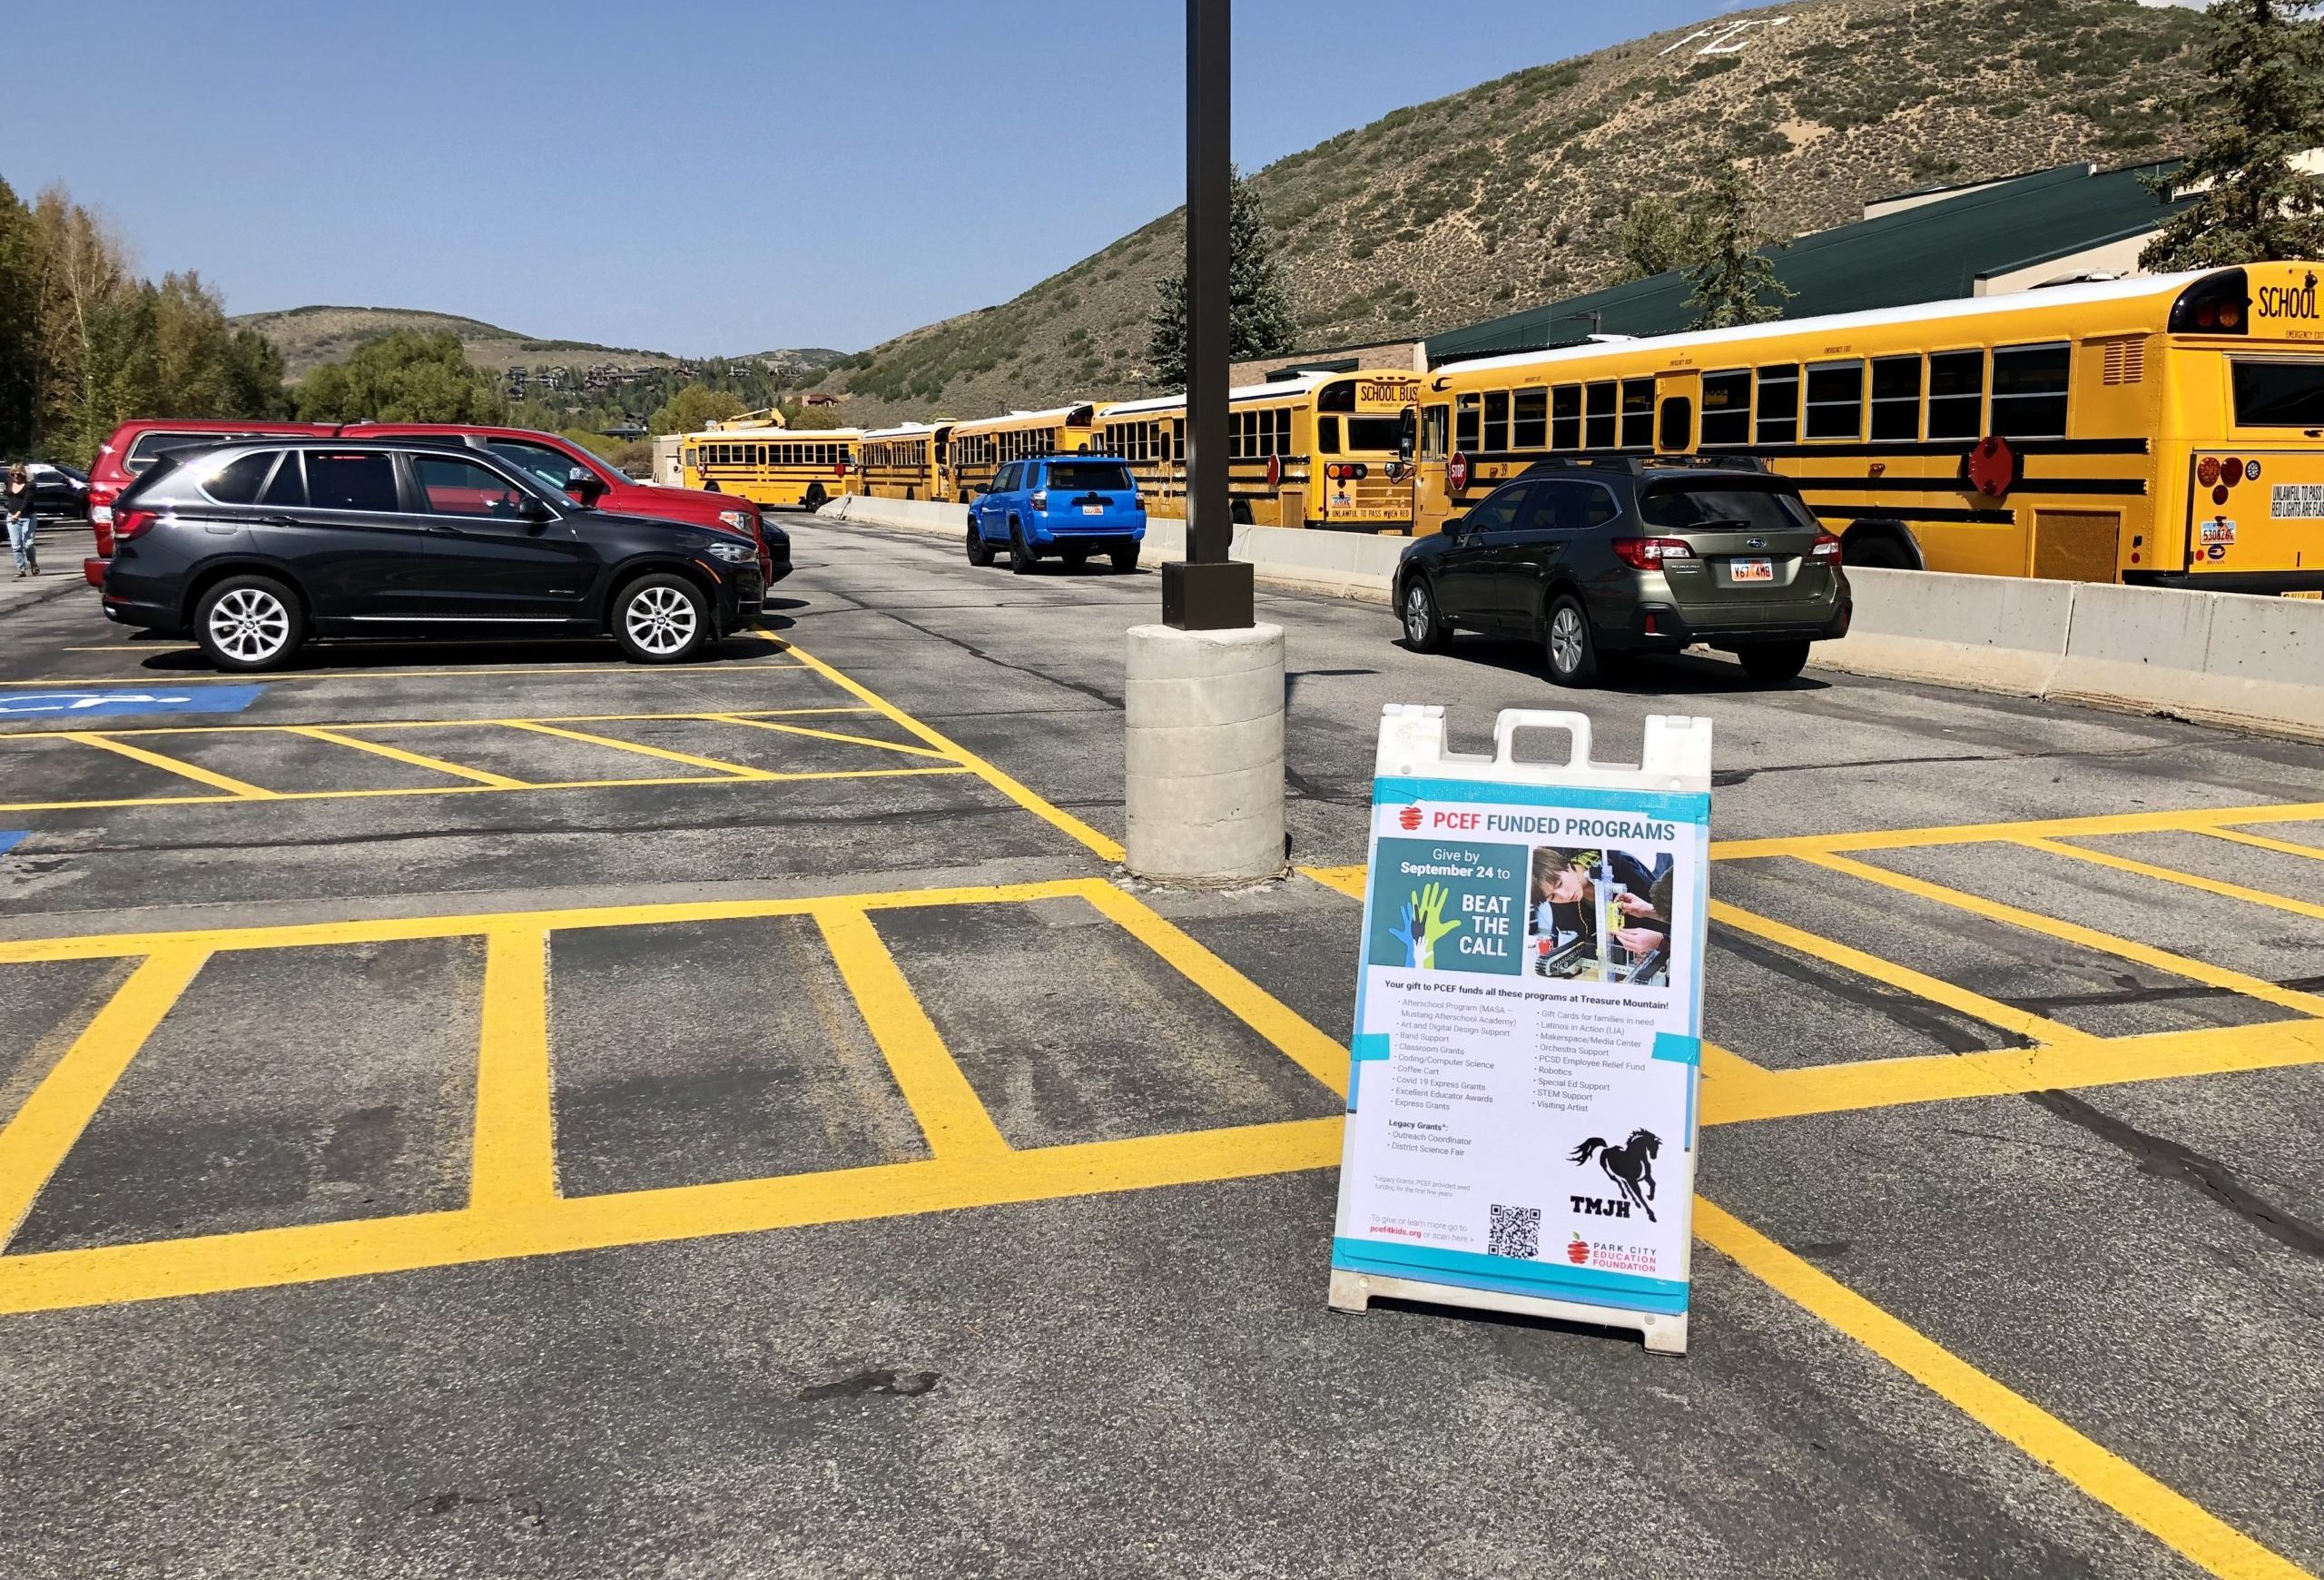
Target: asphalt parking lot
x=490, y=1109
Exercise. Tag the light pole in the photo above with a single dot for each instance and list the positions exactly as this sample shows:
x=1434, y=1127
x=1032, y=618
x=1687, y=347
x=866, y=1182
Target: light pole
x=1202, y=792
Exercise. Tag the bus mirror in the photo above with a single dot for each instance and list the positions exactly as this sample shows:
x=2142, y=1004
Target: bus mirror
x=1404, y=436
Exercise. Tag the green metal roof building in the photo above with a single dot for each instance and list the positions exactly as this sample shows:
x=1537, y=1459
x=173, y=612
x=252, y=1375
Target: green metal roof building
x=2004, y=235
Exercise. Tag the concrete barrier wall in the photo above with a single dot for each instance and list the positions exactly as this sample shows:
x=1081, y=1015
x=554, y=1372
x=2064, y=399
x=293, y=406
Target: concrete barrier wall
x=2226, y=658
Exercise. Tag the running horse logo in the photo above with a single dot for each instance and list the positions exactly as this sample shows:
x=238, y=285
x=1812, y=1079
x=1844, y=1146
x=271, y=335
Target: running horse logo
x=1630, y=1165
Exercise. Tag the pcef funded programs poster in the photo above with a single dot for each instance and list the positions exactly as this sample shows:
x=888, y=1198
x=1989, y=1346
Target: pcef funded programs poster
x=1521, y=1108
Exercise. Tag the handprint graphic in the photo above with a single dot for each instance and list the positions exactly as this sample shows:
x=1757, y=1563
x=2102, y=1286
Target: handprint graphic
x=1424, y=923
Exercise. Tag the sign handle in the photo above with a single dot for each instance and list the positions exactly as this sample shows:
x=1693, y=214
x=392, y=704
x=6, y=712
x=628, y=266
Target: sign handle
x=1513, y=719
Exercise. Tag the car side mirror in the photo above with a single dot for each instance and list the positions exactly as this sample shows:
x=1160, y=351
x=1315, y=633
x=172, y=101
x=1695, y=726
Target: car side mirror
x=535, y=512
x=1457, y=526
x=586, y=486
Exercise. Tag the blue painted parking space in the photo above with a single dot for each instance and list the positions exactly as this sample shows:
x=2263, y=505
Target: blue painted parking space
x=114, y=702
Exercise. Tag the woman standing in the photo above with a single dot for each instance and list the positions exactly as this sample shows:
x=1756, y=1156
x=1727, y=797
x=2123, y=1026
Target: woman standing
x=17, y=504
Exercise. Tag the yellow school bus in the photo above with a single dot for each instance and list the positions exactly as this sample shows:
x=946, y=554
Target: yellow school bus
x=1318, y=449
x=905, y=462
x=2162, y=430
x=797, y=468
x=978, y=450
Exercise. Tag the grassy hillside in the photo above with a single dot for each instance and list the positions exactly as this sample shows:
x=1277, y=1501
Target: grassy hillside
x=1508, y=194
x=310, y=336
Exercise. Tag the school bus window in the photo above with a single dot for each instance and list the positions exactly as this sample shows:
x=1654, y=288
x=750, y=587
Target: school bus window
x=1957, y=394
x=1836, y=400
x=1433, y=421
x=694, y=456
x=1327, y=436
x=1779, y=404
x=1726, y=410
x=1638, y=414
x=1530, y=427
x=1598, y=429
x=1466, y=419
x=2030, y=390
x=1496, y=421
x=1896, y=398
x=2277, y=394
x=1565, y=417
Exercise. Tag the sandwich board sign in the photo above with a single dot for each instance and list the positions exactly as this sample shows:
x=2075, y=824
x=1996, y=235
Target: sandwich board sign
x=1521, y=1101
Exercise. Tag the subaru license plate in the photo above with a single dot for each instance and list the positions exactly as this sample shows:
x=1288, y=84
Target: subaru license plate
x=1751, y=570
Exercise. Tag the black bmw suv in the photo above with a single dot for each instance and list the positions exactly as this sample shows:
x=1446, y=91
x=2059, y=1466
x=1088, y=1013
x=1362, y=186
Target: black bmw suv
x=254, y=546
x=1598, y=555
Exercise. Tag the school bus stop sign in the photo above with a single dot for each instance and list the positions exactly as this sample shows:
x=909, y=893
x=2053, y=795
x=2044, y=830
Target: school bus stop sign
x=1993, y=466
x=1456, y=472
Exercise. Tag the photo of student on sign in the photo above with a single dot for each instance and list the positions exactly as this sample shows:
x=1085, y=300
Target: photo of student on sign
x=1600, y=915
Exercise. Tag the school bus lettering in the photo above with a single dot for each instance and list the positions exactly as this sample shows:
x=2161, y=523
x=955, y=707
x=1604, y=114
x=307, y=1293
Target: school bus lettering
x=2289, y=300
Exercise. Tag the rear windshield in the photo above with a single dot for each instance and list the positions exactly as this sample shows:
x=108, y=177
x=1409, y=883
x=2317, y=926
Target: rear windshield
x=148, y=446
x=2280, y=394
x=1725, y=503
x=1090, y=475
x=1380, y=433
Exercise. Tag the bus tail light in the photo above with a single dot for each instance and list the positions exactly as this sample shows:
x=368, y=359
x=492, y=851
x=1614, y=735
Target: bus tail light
x=1826, y=546
x=2231, y=471
x=133, y=524
x=1347, y=472
x=1650, y=553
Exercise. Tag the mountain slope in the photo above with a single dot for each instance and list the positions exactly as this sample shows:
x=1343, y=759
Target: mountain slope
x=1509, y=193
x=310, y=336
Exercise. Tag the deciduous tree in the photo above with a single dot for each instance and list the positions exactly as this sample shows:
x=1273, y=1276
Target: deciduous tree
x=402, y=376
x=694, y=409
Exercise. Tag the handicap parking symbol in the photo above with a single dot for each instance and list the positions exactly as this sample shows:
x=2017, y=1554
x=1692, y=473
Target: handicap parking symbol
x=106, y=702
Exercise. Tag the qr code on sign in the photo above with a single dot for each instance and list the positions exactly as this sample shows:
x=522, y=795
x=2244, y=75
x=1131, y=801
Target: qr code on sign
x=1514, y=1231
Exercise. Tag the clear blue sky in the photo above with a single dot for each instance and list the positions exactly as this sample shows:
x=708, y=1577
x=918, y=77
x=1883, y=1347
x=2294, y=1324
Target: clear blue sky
x=699, y=178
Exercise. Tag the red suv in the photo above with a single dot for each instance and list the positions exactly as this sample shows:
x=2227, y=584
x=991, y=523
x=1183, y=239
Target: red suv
x=558, y=462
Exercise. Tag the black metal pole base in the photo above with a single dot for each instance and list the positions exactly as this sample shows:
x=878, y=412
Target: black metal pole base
x=1208, y=595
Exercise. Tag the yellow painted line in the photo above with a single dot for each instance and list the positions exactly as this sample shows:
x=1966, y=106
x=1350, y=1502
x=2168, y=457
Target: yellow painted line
x=1348, y=881
x=2261, y=841
x=60, y=1108
x=435, y=765
x=1902, y=977
x=732, y=770
x=2074, y=932
x=1105, y=847
x=1871, y=1083
x=307, y=1253
x=1320, y=1056
x=770, y=776
x=761, y=724
x=193, y=770
x=2195, y=820
x=2183, y=1525
x=544, y=671
x=515, y=1144
x=396, y=929
x=2174, y=876
x=949, y=1113
x=432, y=724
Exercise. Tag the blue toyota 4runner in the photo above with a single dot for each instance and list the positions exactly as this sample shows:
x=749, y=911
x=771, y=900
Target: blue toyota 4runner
x=1072, y=507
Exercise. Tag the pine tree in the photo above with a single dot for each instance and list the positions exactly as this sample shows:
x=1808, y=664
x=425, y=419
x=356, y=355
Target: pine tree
x=1651, y=237
x=1258, y=303
x=1734, y=279
x=2263, y=107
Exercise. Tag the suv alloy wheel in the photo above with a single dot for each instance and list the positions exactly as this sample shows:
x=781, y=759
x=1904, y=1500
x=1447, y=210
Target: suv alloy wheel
x=1572, y=649
x=249, y=622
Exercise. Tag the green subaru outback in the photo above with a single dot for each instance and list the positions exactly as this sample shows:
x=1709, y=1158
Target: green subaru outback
x=1630, y=554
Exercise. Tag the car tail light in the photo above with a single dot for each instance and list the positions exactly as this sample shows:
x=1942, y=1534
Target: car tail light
x=1650, y=553
x=1040, y=499
x=134, y=524
x=1826, y=546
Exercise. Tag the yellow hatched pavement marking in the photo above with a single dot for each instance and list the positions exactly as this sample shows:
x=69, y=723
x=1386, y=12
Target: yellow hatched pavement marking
x=2174, y=876
x=2179, y=1523
x=514, y=1145
x=538, y=672
x=60, y=1108
x=1348, y=881
x=2196, y=820
x=949, y=1113
x=2074, y=932
x=2261, y=842
x=193, y=770
x=1901, y=977
x=1105, y=847
x=770, y=776
x=761, y=724
x=732, y=770
x=436, y=724
x=396, y=753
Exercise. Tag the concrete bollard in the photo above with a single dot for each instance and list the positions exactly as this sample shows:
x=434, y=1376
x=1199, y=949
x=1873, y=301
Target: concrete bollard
x=1203, y=790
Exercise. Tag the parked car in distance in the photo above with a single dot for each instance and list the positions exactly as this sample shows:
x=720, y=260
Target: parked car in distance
x=572, y=470
x=255, y=546
x=1069, y=506
x=138, y=443
x=59, y=493
x=1597, y=557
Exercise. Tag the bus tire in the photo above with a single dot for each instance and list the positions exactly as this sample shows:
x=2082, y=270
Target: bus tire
x=1075, y=559
x=815, y=496
x=1240, y=512
x=1877, y=550
x=1124, y=560
x=980, y=551
x=1773, y=663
